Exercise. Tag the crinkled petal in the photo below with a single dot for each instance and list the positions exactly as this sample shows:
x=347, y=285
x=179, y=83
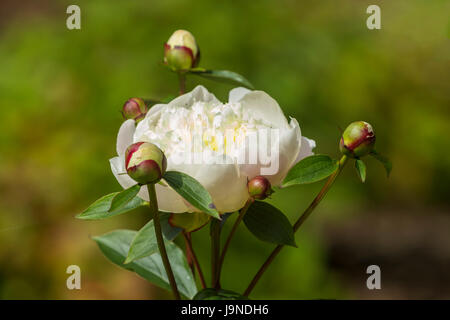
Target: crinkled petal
x=125, y=136
x=237, y=94
x=198, y=94
x=143, y=126
x=154, y=109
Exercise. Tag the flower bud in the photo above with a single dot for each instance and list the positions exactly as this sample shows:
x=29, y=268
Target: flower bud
x=357, y=140
x=259, y=188
x=145, y=162
x=134, y=108
x=181, y=51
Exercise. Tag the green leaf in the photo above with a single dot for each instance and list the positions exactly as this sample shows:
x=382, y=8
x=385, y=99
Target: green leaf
x=100, y=208
x=192, y=191
x=123, y=197
x=384, y=160
x=360, y=169
x=269, y=224
x=143, y=244
x=115, y=246
x=218, y=294
x=311, y=169
x=222, y=76
x=168, y=231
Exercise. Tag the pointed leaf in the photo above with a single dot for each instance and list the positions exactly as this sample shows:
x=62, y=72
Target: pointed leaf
x=115, y=246
x=123, y=197
x=311, y=169
x=192, y=191
x=143, y=244
x=223, y=76
x=100, y=208
x=269, y=224
x=360, y=169
x=384, y=160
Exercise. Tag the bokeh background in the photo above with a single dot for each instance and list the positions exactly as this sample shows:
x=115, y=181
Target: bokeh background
x=60, y=96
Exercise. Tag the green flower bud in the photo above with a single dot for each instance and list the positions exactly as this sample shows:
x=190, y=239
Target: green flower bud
x=357, y=140
x=134, y=108
x=259, y=188
x=181, y=52
x=145, y=162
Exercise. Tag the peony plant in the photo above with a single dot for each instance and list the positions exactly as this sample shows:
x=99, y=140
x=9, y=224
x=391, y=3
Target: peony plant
x=195, y=160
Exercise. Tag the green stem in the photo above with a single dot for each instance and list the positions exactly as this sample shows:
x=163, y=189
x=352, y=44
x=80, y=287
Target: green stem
x=297, y=224
x=242, y=212
x=182, y=82
x=160, y=240
x=215, y=251
x=190, y=249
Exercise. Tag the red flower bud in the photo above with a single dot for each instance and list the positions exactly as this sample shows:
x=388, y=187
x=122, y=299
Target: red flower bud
x=357, y=140
x=259, y=188
x=134, y=108
x=145, y=162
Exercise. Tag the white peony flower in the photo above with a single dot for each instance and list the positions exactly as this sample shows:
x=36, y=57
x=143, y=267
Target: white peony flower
x=220, y=145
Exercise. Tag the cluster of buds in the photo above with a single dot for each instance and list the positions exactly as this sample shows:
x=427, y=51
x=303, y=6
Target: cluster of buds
x=134, y=108
x=145, y=162
x=259, y=188
x=357, y=140
x=181, y=52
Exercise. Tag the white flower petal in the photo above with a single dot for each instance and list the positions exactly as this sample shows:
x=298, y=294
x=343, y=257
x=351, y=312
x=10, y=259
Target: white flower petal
x=237, y=94
x=154, y=109
x=141, y=129
x=287, y=151
x=290, y=141
x=125, y=136
x=263, y=106
x=306, y=147
x=198, y=94
x=169, y=200
x=118, y=169
x=222, y=180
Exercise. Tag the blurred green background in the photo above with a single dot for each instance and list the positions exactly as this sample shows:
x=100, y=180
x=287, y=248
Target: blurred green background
x=60, y=95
